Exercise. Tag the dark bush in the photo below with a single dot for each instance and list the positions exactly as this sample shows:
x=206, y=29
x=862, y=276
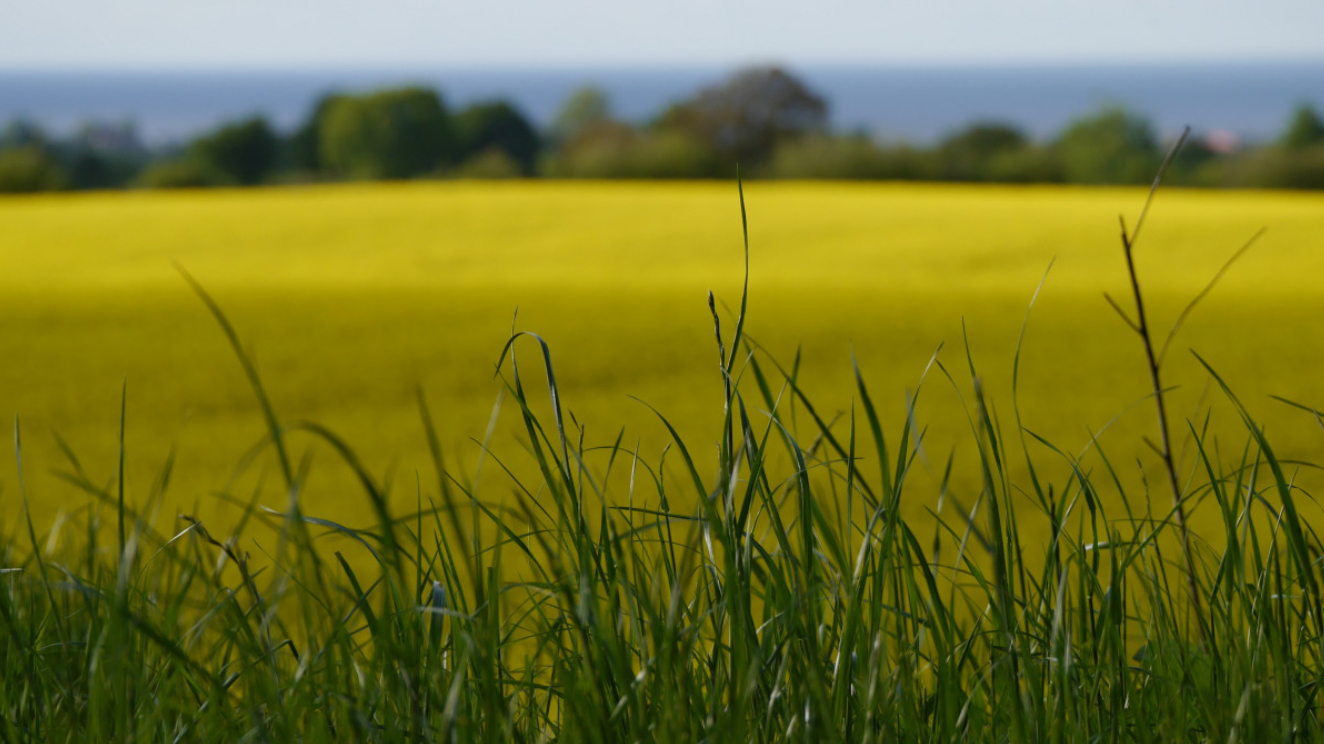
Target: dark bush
x=1277, y=167
x=182, y=173
x=617, y=151
x=844, y=157
x=492, y=163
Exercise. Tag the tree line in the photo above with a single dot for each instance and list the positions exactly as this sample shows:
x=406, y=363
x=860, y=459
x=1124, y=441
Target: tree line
x=765, y=120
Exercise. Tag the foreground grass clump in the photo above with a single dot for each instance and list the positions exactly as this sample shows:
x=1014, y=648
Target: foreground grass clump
x=779, y=597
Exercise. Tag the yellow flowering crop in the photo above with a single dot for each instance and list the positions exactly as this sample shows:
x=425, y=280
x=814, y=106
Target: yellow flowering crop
x=351, y=298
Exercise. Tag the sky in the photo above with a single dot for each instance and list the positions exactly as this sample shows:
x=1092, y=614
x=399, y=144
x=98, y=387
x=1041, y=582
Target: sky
x=297, y=34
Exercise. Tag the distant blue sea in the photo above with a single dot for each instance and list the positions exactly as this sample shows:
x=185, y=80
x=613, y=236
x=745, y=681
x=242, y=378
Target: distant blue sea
x=919, y=104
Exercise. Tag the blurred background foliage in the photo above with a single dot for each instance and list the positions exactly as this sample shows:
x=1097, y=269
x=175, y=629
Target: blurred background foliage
x=763, y=120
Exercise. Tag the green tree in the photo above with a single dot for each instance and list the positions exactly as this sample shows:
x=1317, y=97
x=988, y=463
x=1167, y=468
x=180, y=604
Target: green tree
x=389, y=134
x=305, y=144
x=102, y=155
x=22, y=133
x=585, y=109
x=744, y=119
x=970, y=154
x=30, y=168
x=1305, y=129
x=245, y=152
x=1196, y=164
x=1113, y=146
x=497, y=126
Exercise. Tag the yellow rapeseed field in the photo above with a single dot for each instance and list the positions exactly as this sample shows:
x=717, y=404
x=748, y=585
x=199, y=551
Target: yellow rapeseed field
x=353, y=297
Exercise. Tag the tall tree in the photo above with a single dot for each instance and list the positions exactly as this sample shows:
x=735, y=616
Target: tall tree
x=585, y=109
x=244, y=151
x=746, y=117
x=497, y=126
x=29, y=168
x=305, y=144
x=1305, y=129
x=1113, y=146
x=390, y=134
x=969, y=155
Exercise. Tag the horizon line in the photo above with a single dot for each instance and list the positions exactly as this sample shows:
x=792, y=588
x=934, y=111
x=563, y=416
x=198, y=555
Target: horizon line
x=384, y=66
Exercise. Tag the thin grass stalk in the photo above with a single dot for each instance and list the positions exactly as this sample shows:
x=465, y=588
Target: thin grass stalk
x=1142, y=328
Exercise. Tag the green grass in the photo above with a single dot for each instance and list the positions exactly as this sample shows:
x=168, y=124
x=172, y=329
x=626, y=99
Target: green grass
x=778, y=596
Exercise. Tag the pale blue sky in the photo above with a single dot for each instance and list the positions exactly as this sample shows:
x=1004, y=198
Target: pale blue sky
x=232, y=34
